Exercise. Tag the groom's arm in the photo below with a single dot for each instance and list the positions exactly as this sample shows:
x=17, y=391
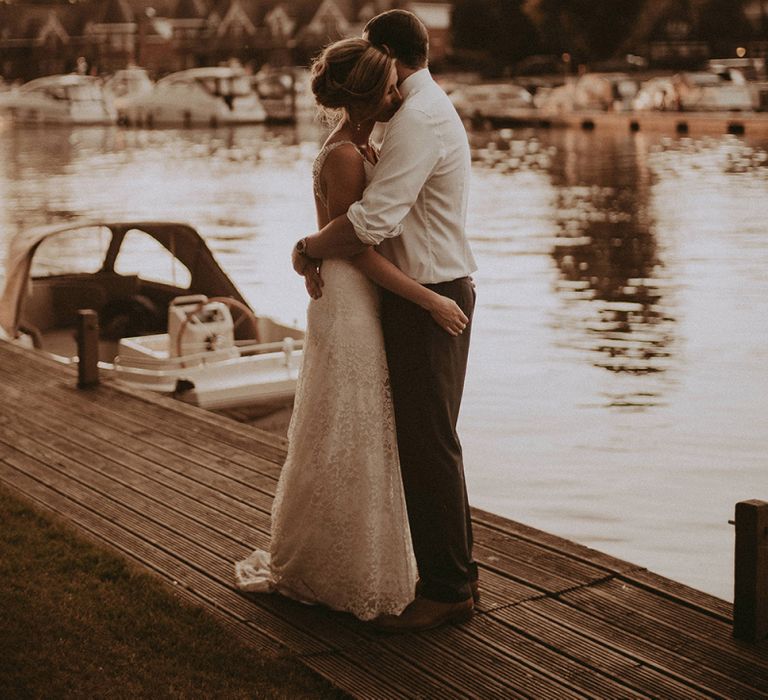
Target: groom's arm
x=408, y=156
x=337, y=239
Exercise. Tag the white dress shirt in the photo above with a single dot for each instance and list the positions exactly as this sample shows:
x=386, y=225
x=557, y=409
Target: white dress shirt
x=415, y=206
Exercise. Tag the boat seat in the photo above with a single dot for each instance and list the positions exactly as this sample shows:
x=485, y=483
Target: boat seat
x=54, y=302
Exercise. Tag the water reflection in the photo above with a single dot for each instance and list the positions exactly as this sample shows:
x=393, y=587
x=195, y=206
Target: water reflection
x=615, y=304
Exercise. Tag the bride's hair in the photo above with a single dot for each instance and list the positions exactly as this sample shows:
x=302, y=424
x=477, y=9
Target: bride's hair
x=350, y=73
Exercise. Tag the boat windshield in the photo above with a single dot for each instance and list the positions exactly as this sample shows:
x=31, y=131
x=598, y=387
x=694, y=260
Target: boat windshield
x=70, y=93
x=237, y=86
x=141, y=254
x=72, y=252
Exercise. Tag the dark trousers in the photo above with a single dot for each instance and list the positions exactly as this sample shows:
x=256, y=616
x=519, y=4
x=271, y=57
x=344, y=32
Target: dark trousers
x=427, y=368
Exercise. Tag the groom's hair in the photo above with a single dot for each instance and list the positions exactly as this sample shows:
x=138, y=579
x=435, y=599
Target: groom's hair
x=403, y=34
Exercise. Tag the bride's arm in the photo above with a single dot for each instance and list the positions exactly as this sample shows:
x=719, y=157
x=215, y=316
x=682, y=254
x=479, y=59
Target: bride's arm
x=343, y=176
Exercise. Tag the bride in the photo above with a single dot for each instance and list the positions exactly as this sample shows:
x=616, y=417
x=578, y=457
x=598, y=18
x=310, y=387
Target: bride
x=340, y=533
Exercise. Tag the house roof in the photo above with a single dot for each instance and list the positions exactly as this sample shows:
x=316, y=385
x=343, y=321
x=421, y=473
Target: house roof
x=115, y=12
x=190, y=9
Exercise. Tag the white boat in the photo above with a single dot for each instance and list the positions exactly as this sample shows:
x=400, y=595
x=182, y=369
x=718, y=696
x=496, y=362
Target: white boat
x=490, y=101
x=60, y=99
x=127, y=84
x=214, y=96
x=170, y=319
x=704, y=91
x=276, y=88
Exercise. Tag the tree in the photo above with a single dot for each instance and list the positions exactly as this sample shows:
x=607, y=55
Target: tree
x=587, y=29
x=723, y=25
x=499, y=29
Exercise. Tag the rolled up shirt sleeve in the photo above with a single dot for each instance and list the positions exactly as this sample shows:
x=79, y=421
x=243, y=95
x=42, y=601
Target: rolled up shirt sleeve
x=409, y=154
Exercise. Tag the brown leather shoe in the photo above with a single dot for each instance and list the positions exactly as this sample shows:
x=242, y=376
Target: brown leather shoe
x=474, y=585
x=424, y=614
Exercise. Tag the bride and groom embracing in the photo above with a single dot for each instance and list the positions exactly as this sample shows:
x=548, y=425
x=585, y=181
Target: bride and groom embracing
x=371, y=514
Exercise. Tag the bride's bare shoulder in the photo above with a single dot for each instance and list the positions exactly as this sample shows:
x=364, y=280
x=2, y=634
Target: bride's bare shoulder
x=344, y=158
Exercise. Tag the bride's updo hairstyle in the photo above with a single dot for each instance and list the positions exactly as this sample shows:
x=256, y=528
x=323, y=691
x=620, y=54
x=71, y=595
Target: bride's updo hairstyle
x=350, y=74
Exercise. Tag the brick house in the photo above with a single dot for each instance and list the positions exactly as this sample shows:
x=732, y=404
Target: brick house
x=101, y=36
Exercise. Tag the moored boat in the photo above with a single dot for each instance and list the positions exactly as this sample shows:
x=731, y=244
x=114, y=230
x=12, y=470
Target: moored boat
x=220, y=95
x=60, y=99
x=170, y=319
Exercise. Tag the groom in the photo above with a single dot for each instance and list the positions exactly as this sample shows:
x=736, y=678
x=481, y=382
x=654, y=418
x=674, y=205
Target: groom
x=414, y=210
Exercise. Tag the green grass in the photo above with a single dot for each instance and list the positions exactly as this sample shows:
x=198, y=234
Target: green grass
x=79, y=622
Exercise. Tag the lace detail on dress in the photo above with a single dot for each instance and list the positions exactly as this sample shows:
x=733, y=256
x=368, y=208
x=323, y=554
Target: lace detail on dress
x=340, y=532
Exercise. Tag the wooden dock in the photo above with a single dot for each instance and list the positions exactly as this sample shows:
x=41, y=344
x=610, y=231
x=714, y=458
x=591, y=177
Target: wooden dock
x=753, y=124
x=186, y=493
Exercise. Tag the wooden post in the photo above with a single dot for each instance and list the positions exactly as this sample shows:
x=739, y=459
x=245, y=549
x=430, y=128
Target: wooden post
x=750, y=600
x=87, y=348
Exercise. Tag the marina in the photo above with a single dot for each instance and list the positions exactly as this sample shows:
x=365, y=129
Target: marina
x=184, y=493
x=616, y=387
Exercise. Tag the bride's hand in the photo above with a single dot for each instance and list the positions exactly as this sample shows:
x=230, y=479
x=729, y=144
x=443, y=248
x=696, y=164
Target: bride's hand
x=447, y=314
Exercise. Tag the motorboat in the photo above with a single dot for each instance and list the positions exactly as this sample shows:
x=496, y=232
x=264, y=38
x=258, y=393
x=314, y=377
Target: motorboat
x=127, y=84
x=276, y=89
x=170, y=320
x=704, y=91
x=590, y=92
x=490, y=101
x=216, y=96
x=60, y=99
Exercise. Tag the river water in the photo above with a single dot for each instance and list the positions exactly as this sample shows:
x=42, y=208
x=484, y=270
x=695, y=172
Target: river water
x=617, y=392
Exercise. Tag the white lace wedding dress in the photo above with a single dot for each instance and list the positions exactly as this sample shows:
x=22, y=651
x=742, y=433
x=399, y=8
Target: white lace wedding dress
x=340, y=533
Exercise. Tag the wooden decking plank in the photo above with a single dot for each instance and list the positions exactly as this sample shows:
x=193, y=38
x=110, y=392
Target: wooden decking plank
x=230, y=460
x=225, y=429
x=173, y=536
x=522, y=572
x=180, y=500
x=175, y=437
x=609, y=659
x=217, y=579
x=117, y=413
x=496, y=589
x=248, y=504
x=553, y=542
x=484, y=670
x=331, y=626
x=741, y=661
x=524, y=551
x=358, y=680
x=366, y=669
x=666, y=654
x=544, y=660
x=664, y=608
x=135, y=496
x=679, y=592
x=253, y=488
x=183, y=579
x=49, y=371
